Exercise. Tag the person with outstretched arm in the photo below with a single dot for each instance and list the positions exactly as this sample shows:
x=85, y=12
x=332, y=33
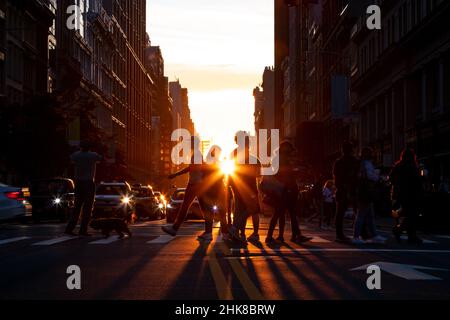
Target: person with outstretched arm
x=193, y=189
x=85, y=163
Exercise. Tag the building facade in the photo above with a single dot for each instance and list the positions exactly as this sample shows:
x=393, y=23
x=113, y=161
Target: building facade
x=25, y=32
x=265, y=101
x=400, y=82
x=100, y=63
x=161, y=119
x=181, y=116
x=380, y=88
x=24, y=35
x=133, y=112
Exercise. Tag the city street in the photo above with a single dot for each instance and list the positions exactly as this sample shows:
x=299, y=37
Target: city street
x=150, y=265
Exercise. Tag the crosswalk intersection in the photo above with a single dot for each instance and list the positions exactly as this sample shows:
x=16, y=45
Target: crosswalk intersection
x=150, y=234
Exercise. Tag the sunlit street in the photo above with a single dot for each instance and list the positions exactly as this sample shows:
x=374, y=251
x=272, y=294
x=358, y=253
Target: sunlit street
x=151, y=265
x=202, y=159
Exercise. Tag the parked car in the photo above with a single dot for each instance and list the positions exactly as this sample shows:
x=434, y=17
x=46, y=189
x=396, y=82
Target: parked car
x=158, y=196
x=52, y=198
x=114, y=199
x=147, y=204
x=13, y=202
x=175, y=203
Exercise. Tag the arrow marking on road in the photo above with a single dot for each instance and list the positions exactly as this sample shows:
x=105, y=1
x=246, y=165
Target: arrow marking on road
x=5, y=241
x=404, y=271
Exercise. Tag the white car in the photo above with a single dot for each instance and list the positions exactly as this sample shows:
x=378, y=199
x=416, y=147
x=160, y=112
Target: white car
x=13, y=202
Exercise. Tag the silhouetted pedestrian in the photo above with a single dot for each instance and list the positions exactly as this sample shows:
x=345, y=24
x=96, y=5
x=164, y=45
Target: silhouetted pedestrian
x=193, y=189
x=365, y=218
x=85, y=163
x=328, y=204
x=246, y=201
x=408, y=192
x=345, y=172
x=287, y=176
x=213, y=199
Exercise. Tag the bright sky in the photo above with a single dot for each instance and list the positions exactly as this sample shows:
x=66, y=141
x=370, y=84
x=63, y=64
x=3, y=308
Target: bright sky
x=218, y=49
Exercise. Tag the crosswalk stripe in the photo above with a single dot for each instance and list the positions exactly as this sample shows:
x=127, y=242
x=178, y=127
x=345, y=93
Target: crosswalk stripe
x=319, y=240
x=161, y=239
x=54, y=241
x=106, y=241
x=425, y=241
x=5, y=241
x=309, y=250
x=444, y=237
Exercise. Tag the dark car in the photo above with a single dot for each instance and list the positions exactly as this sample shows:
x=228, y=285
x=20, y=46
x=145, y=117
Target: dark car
x=175, y=202
x=146, y=203
x=52, y=198
x=114, y=199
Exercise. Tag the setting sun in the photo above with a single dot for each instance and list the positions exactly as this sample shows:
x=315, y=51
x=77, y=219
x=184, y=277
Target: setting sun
x=227, y=167
x=218, y=51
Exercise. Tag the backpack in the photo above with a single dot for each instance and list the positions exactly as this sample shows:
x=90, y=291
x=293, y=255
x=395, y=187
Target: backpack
x=272, y=190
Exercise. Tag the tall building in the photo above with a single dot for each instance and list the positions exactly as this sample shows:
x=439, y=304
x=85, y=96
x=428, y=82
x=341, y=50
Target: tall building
x=258, y=95
x=132, y=111
x=294, y=70
x=181, y=116
x=24, y=50
x=25, y=32
x=380, y=88
x=161, y=120
x=84, y=76
x=265, y=101
x=181, y=111
x=281, y=53
x=400, y=81
x=99, y=64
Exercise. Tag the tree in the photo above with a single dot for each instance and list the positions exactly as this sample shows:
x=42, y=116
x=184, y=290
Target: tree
x=34, y=135
x=34, y=139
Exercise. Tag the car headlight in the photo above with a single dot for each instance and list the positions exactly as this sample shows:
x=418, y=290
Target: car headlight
x=125, y=200
x=215, y=208
x=169, y=206
x=57, y=201
x=160, y=206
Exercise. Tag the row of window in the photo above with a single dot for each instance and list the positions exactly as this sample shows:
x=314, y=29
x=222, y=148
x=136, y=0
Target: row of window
x=418, y=97
x=405, y=17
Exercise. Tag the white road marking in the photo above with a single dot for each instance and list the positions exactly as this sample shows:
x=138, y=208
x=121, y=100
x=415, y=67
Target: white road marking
x=404, y=271
x=424, y=240
x=444, y=237
x=54, y=241
x=319, y=240
x=161, y=239
x=283, y=250
x=109, y=240
x=145, y=224
x=5, y=241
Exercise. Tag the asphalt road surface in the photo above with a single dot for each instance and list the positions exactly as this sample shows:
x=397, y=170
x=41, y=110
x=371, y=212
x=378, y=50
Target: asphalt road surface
x=151, y=265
